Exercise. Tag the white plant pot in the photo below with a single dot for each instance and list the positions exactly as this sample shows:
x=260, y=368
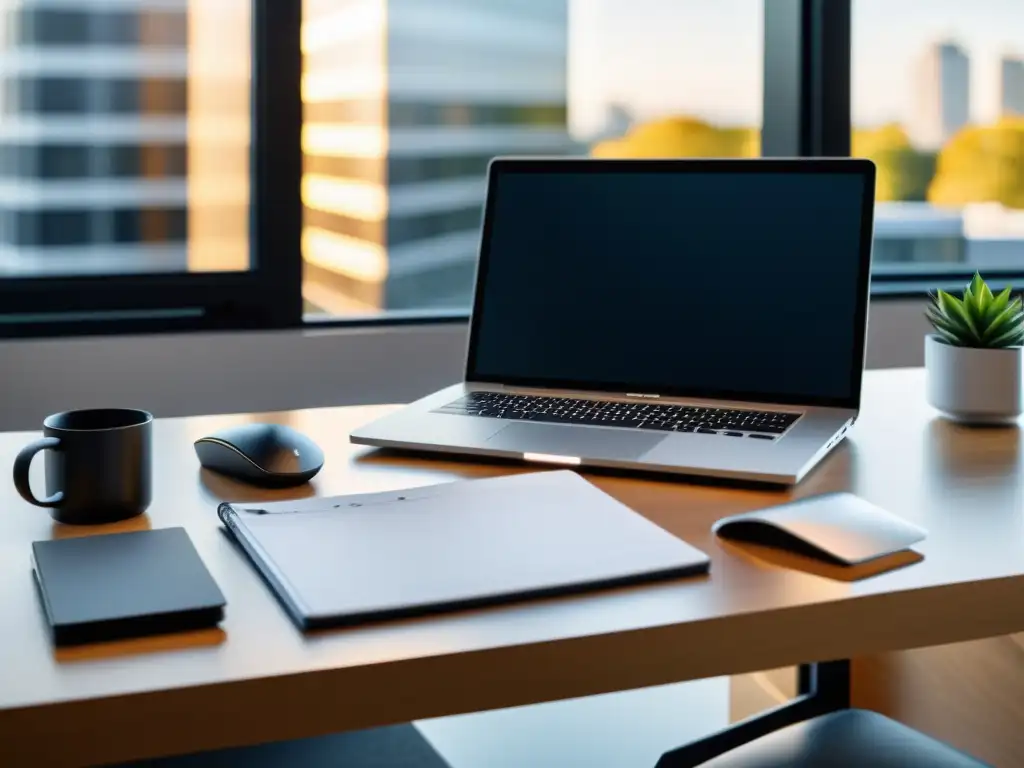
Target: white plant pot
x=974, y=386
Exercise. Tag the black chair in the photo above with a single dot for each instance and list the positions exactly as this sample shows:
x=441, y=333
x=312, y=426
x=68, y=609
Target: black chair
x=396, y=746
x=850, y=738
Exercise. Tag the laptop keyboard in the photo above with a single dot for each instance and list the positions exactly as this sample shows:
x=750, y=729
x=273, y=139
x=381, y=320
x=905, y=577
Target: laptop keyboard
x=732, y=422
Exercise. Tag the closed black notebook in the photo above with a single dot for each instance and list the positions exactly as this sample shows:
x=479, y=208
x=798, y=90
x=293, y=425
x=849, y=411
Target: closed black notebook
x=111, y=586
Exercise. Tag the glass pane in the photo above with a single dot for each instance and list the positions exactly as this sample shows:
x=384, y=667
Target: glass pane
x=406, y=101
x=938, y=104
x=124, y=137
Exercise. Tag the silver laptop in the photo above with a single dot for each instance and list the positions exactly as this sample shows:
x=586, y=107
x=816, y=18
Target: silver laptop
x=702, y=317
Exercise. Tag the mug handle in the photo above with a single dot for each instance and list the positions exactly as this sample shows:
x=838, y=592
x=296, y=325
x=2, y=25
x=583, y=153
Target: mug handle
x=21, y=465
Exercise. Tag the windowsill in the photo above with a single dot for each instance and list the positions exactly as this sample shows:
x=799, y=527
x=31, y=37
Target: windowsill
x=383, y=319
x=886, y=288
x=321, y=364
x=881, y=289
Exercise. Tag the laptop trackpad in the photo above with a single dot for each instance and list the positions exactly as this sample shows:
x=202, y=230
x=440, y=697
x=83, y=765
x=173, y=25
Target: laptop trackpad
x=584, y=442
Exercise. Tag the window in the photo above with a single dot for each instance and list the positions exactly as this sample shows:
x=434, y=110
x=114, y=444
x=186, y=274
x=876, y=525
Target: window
x=115, y=28
x=255, y=163
x=159, y=90
x=47, y=27
x=938, y=104
x=44, y=161
x=143, y=96
x=49, y=227
x=132, y=174
x=46, y=95
x=100, y=26
x=405, y=107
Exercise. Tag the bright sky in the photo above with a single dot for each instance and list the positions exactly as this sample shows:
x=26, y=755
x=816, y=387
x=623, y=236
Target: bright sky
x=704, y=57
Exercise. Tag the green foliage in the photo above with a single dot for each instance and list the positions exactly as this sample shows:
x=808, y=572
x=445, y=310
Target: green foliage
x=866, y=142
x=903, y=173
x=979, y=164
x=978, y=319
x=982, y=163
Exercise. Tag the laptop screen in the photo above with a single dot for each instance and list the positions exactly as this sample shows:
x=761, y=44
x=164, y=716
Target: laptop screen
x=742, y=280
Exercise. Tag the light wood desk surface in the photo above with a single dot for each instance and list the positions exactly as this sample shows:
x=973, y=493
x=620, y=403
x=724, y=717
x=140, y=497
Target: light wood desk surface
x=258, y=679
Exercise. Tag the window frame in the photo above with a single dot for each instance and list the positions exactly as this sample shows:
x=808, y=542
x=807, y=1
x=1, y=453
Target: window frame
x=829, y=26
x=266, y=296
x=798, y=113
x=807, y=55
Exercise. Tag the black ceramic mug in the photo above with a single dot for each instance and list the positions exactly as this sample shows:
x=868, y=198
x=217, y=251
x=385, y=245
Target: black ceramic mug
x=98, y=465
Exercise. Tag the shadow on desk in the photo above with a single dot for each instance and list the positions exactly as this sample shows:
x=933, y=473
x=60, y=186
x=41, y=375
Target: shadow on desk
x=65, y=531
x=955, y=452
x=395, y=746
x=487, y=465
x=178, y=641
x=219, y=488
x=767, y=556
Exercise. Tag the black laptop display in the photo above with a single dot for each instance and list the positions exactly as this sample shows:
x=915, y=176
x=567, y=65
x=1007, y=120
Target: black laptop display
x=738, y=281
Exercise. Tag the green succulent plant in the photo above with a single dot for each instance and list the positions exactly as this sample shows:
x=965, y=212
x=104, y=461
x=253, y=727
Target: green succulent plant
x=979, y=319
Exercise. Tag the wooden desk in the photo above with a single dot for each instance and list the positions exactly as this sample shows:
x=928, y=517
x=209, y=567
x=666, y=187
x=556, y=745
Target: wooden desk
x=261, y=680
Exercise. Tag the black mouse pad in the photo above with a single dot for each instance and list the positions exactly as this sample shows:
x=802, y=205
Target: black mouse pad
x=112, y=586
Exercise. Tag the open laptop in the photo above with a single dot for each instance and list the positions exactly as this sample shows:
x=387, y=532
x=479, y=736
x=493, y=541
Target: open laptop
x=704, y=317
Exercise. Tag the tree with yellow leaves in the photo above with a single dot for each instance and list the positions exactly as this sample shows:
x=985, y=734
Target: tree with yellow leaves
x=982, y=164
x=681, y=137
x=903, y=173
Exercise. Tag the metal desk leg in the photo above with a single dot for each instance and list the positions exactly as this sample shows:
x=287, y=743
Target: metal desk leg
x=823, y=687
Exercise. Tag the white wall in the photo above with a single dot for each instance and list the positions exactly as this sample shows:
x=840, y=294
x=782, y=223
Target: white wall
x=177, y=375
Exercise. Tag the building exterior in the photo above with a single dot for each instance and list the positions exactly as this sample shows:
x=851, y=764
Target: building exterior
x=943, y=94
x=406, y=103
x=618, y=120
x=1011, y=86
x=911, y=234
x=93, y=144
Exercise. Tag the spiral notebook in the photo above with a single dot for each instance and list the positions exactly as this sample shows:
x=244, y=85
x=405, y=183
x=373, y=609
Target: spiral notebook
x=352, y=559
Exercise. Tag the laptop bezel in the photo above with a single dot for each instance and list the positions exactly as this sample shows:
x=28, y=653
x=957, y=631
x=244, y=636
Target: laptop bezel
x=860, y=166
